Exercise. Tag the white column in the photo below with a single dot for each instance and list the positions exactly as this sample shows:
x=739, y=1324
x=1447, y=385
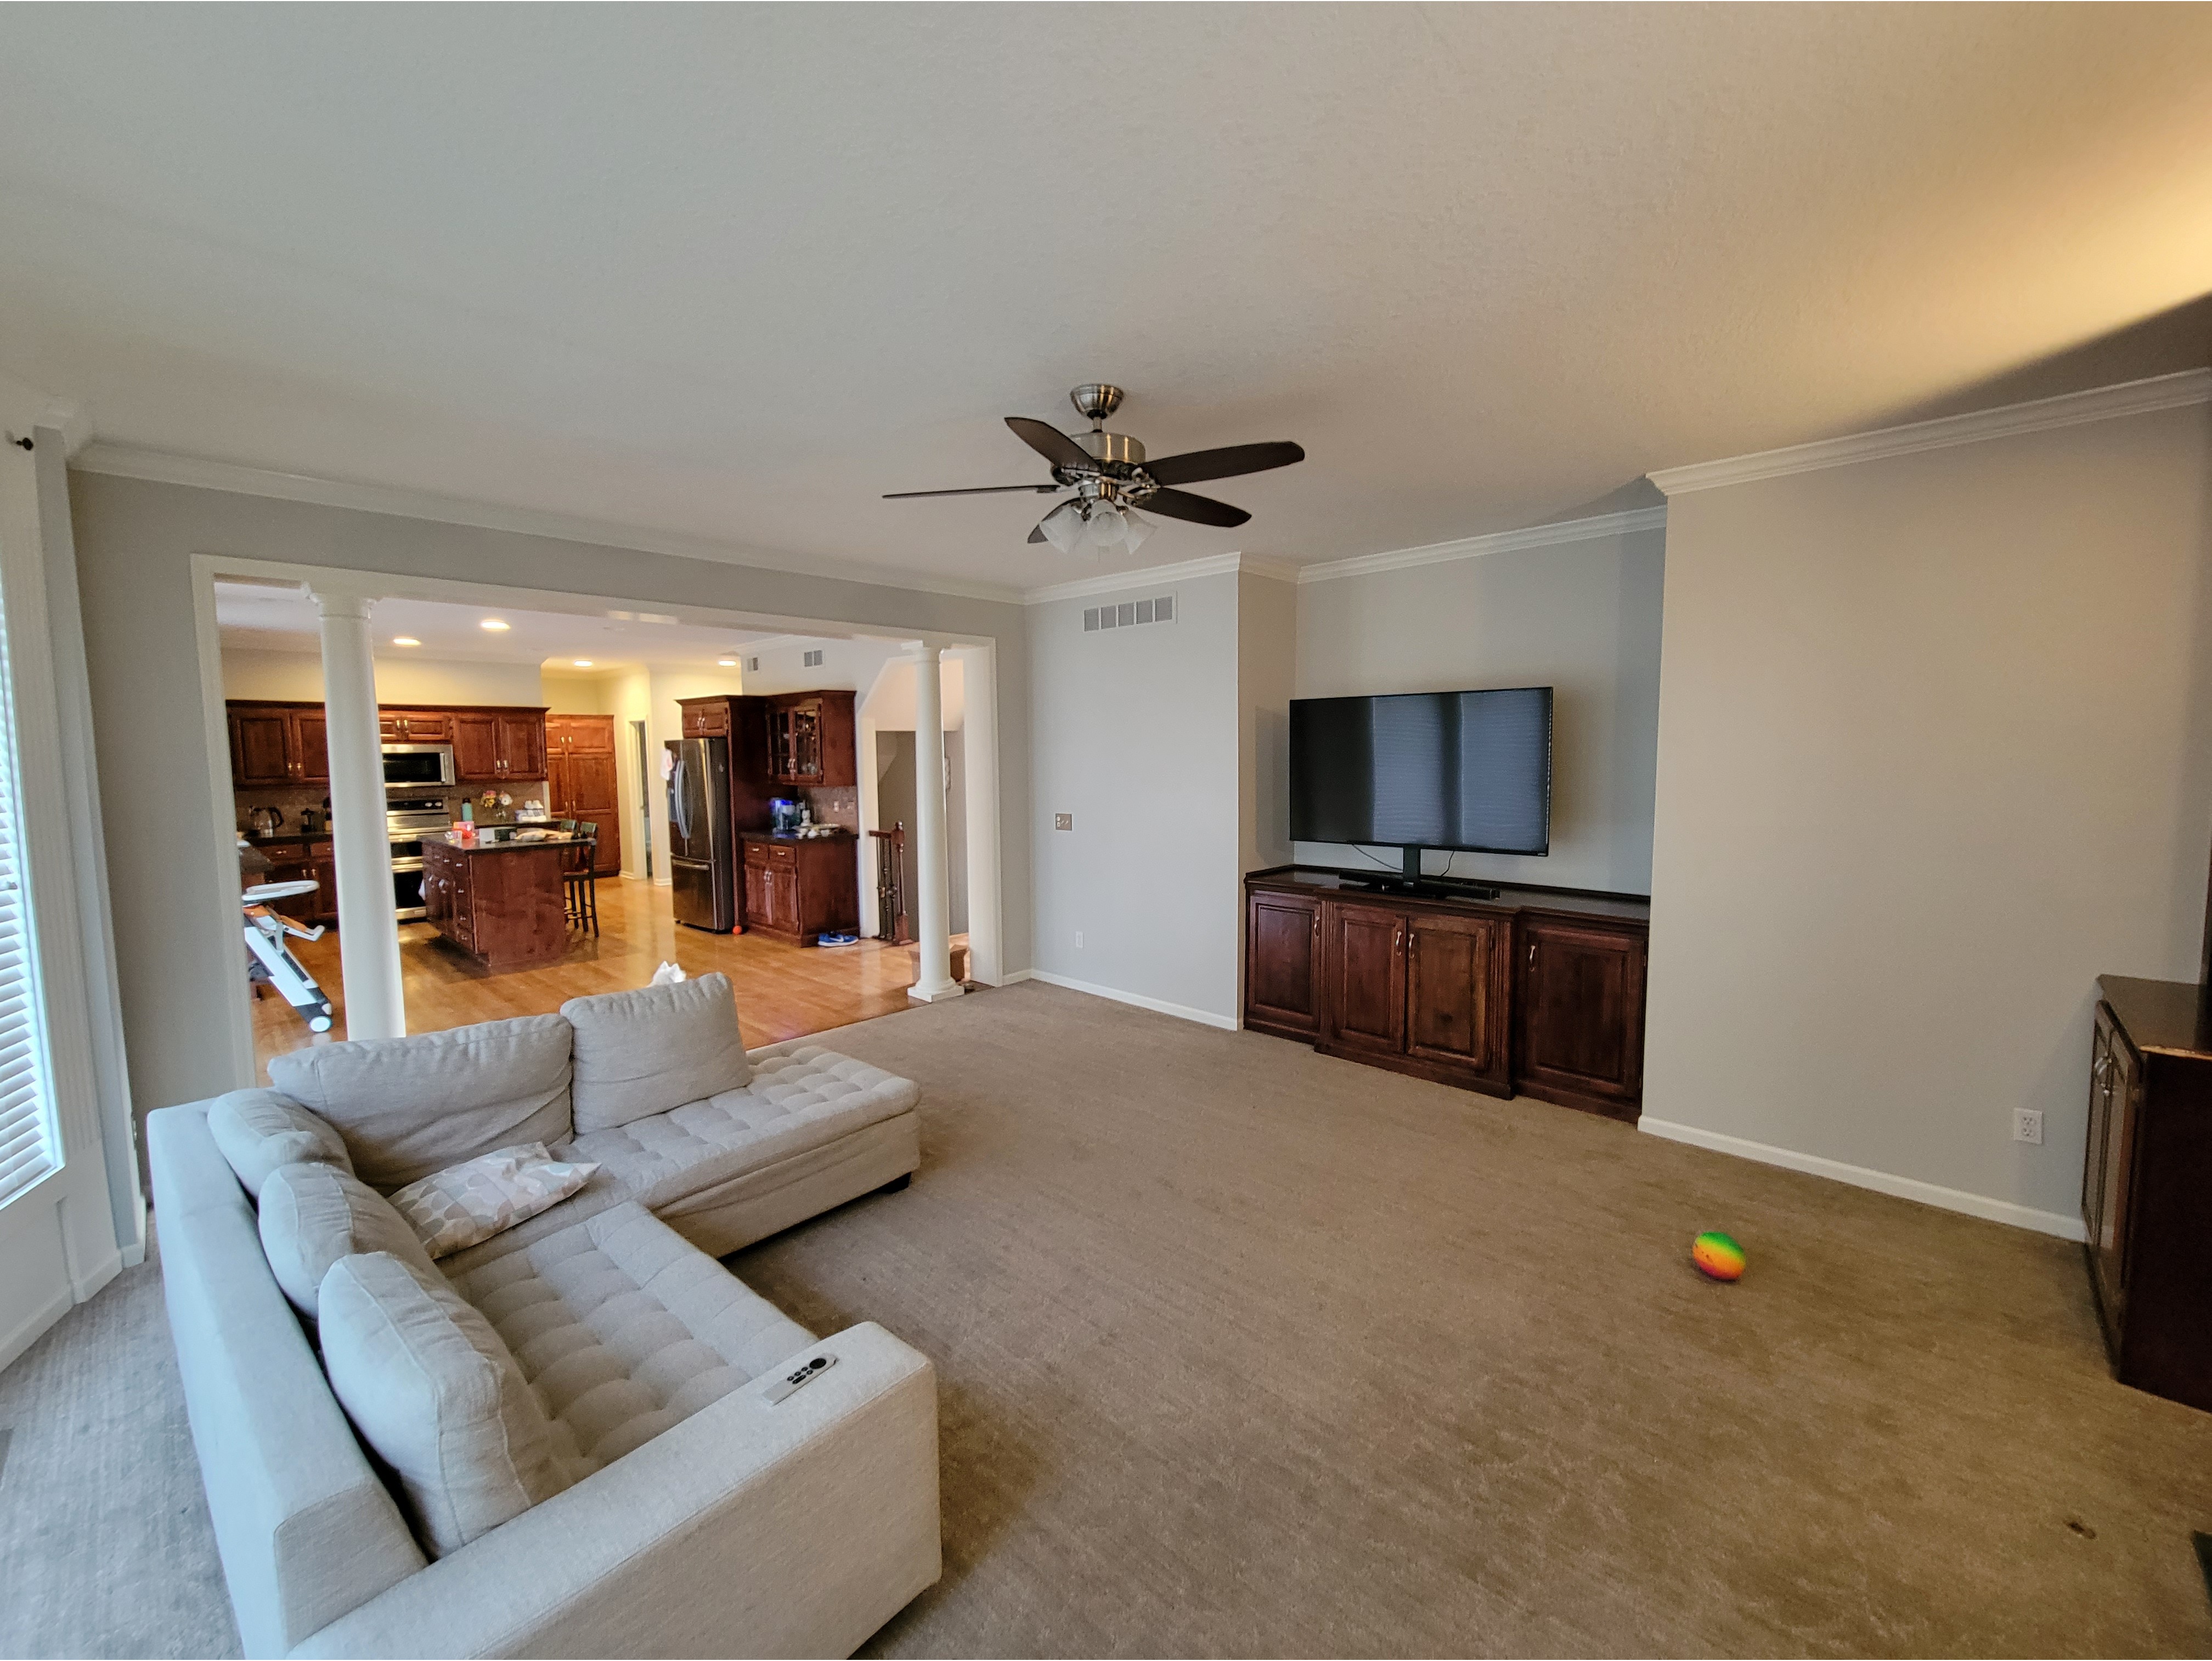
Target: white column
x=368, y=933
x=934, y=980
x=985, y=946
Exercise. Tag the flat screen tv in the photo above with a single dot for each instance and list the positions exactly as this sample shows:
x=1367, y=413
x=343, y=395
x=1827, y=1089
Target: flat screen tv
x=1470, y=770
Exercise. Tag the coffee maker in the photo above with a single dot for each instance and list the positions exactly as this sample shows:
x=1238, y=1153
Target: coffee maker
x=785, y=817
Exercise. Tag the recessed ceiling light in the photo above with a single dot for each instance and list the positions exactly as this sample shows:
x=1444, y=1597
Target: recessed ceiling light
x=404, y=639
x=496, y=625
x=583, y=663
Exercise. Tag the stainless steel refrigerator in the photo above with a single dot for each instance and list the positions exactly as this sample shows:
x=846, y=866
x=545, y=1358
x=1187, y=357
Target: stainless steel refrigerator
x=701, y=852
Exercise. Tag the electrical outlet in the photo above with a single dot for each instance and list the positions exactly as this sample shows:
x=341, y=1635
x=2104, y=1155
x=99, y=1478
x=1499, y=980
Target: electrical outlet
x=1079, y=940
x=2028, y=1125
x=1063, y=821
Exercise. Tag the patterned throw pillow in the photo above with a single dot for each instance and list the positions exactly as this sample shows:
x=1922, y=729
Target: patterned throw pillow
x=465, y=1203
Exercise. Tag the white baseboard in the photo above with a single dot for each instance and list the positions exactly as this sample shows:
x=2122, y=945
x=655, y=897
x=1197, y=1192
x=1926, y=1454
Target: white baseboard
x=33, y=1327
x=1859, y=1176
x=1157, y=1005
x=87, y=1286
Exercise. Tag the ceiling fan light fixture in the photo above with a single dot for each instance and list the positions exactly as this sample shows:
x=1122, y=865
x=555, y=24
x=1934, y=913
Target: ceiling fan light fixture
x=1136, y=529
x=1063, y=525
x=1106, y=531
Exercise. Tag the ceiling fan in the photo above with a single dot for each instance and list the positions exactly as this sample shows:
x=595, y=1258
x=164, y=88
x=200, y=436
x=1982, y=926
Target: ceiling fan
x=1111, y=479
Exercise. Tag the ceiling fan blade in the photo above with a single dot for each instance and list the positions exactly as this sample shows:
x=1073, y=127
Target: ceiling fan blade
x=972, y=490
x=1195, y=465
x=1055, y=445
x=1202, y=510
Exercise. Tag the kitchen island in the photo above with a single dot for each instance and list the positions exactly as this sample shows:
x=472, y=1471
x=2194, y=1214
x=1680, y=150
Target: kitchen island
x=501, y=902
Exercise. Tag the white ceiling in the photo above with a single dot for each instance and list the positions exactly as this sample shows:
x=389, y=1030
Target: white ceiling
x=734, y=271
x=257, y=616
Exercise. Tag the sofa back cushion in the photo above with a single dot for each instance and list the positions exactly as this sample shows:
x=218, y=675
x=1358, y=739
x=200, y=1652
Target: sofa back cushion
x=408, y=1106
x=313, y=1214
x=644, y=1053
x=260, y=1131
x=437, y=1396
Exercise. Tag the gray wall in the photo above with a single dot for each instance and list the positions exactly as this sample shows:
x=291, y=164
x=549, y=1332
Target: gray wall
x=1580, y=616
x=177, y=930
x=1935, y=751
x=1136, y=735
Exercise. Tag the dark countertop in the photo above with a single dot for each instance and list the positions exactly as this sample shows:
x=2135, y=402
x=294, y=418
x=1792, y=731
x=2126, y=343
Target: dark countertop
x=2159, y=1015
x=259, y=840
x=841, y=835
x=542, y=845
x=1511, y=896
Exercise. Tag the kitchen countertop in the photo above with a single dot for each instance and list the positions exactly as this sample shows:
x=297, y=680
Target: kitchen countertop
x=841, y=835
x=446, y=838
x=257, y=838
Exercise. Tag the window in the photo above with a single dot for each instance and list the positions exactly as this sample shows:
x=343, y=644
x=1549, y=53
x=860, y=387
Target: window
x=26, y=1147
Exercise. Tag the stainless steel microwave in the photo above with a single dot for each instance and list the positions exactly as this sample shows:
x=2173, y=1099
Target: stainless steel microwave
x=417, y=766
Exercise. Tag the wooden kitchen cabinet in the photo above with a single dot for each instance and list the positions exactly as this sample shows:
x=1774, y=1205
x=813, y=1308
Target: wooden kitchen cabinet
x=799, y=887
x=276, y=744
x=495, y=746
x=416, y=726
x=810, y=740
x=581, y=769
x=1447, y=988
x=501, y=903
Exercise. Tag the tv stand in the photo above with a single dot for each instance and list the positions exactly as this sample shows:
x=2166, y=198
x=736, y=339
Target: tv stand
x=1514, y=990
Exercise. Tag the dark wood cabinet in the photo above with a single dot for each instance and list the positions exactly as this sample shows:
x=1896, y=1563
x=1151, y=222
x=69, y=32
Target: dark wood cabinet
x=800, y=886
x=502, y=905
x=810, y=740
x=2147, y=1184
x=416, y=726
x=1364, y=970
x=1580, y=1013
x=1538, y=992
x=582, y=773
x=495, y=746
x=276, y=744
x=1282, y=965
x=1458, y=993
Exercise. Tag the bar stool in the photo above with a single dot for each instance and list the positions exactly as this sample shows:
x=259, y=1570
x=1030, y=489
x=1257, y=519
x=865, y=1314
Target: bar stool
x=579, y=877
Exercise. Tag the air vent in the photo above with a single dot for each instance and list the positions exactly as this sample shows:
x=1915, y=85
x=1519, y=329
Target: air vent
x=753, y=664
x=813, y=660
x=1129, y=613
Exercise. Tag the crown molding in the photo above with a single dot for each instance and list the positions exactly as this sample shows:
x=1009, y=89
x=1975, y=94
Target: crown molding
x=2134, y=398
x=129, y=461
x=1214, y=564
x=1497, y=542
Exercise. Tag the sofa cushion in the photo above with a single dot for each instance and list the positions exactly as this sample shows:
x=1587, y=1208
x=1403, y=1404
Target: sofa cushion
x=408, y=1106
x=624, y=1329
x=436, y=1394
x=797, y=1099
x=644, y=1053
x=260, y=1131
x=313, y=1214
x=454, y=1209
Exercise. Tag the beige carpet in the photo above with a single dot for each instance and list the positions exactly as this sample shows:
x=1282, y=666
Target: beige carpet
x=1242, y=1350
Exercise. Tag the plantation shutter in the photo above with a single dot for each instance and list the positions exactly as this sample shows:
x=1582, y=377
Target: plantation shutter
x=26, y=1149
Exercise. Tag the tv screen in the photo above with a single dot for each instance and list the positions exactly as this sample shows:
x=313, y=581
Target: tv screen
x=1464, y=770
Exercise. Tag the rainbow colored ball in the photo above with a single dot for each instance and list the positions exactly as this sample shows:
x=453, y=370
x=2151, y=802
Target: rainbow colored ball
x=1717, y=1257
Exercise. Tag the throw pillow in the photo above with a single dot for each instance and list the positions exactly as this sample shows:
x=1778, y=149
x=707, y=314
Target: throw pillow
x=455, y=1207
x=437, y=1396
x=313, y=1214
x=644, y=1053
x=260, y=1131
x=408, y=1106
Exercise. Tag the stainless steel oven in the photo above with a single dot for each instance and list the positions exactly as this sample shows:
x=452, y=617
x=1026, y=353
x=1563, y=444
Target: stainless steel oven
x=417, y=766
x=404, y=823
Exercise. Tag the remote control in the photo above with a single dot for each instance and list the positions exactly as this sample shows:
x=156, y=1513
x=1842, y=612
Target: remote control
x=797, y=1376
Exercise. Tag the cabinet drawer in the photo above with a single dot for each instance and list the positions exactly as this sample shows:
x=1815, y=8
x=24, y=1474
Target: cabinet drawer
x=782, y=853
x=757, y=853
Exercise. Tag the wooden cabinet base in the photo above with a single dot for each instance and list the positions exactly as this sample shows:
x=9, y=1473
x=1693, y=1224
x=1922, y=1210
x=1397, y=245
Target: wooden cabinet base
x=503, y=906
x=1529, y=991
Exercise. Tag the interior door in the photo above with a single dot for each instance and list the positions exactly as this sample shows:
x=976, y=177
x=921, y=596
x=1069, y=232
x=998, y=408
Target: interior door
x=1364, y=956
x=1455, y=992
x=1282, y=961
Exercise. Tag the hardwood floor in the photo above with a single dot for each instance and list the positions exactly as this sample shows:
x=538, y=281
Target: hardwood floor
x=782, y=992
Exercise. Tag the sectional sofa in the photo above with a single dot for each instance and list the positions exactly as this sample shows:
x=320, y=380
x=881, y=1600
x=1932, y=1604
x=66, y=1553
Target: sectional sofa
x=649, y=1494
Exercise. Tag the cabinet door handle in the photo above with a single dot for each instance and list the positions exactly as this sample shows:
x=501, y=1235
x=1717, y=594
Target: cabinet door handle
x=1532, y=954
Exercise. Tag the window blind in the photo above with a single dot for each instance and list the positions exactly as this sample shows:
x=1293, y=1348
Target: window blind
x=26, y=1149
